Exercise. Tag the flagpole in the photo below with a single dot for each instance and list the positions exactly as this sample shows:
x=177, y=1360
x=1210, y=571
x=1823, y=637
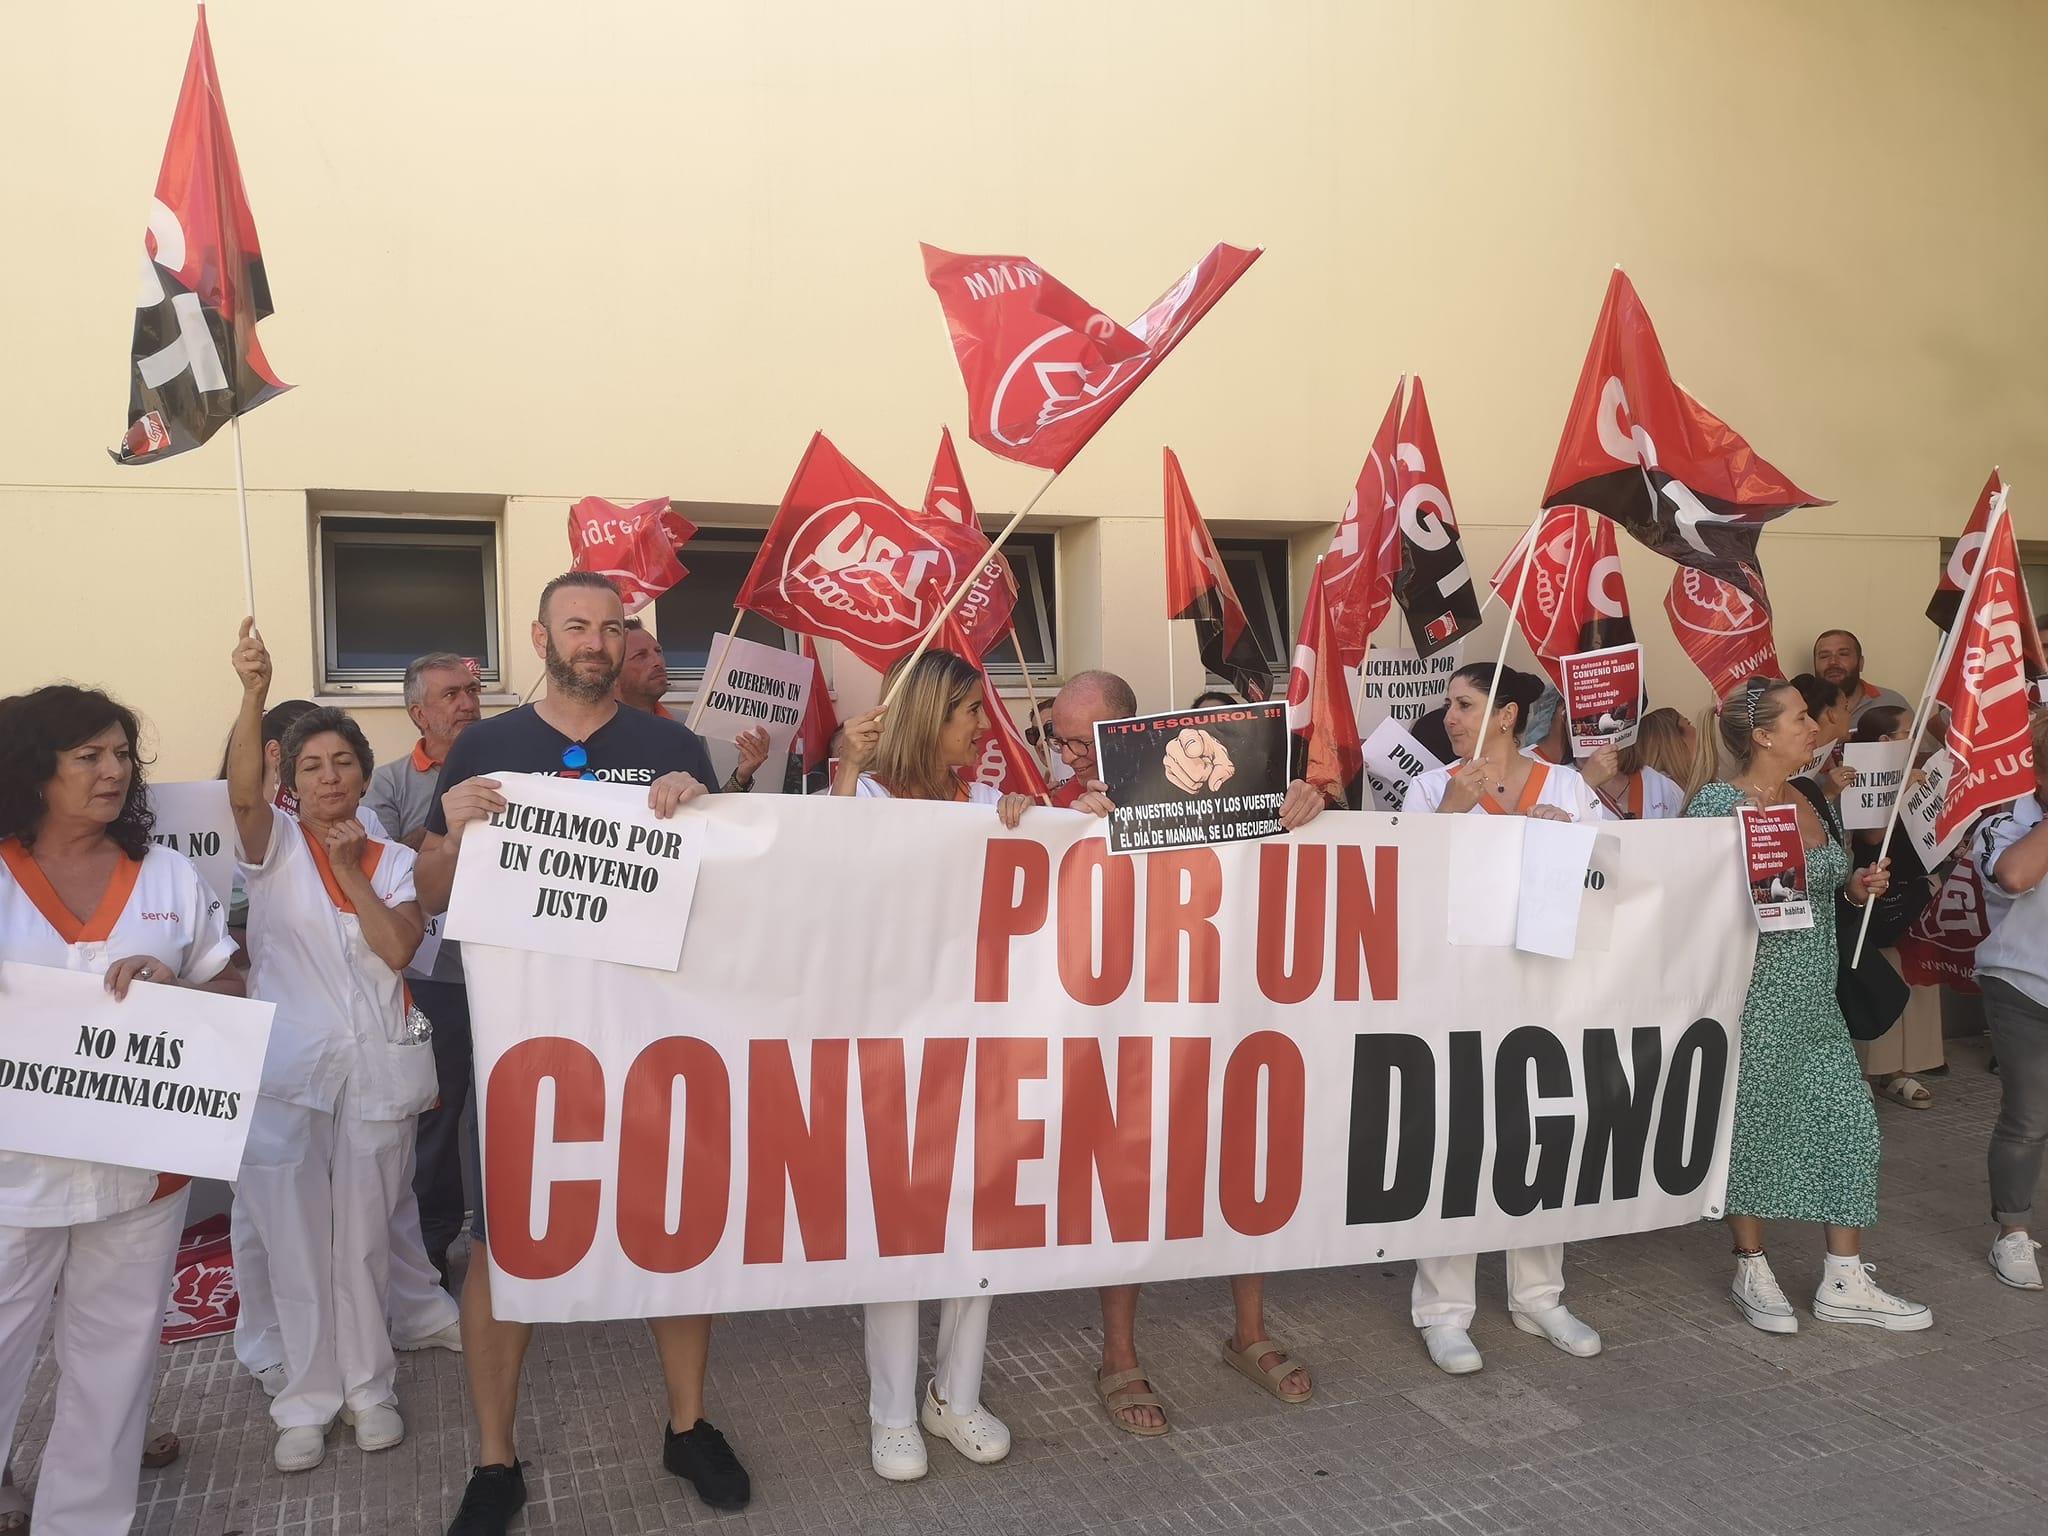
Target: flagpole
x=1031, y=694
x=1943, y=653
x=242, y=505
x=1172, y=688
x=1508, y=630
x=711, y=671
x=987, y=559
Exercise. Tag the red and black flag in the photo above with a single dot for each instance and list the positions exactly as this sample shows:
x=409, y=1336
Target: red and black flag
x=197, y=363
x=1640, y=450
x=1433, y=585
x=1198, y=588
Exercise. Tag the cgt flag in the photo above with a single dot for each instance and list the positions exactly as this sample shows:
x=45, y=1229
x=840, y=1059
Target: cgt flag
x=1433, y=585
x=1725, y=631
x=632, y=547
x=1364, y=557
x=1642, y=451
x=1319, y=709
x=948, y=518
x=1198, y=588
x=1573, y=600
x=1984, y=688
x=196, y=362
x=1045, y=369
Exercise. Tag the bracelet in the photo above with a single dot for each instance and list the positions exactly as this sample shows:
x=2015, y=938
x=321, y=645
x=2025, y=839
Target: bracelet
x=735, y=782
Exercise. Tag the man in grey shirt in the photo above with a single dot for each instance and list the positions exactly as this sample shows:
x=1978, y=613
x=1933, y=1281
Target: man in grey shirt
x=444, y=698
x=1838, y=659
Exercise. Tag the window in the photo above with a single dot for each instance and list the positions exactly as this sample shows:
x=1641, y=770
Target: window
x=1258, y=570
x=1033, y=561
x=392, y=588
x=693, y=616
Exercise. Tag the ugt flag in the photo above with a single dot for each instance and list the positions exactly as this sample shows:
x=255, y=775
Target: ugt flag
x=632, y=547
x=1044, y=368
x=1984, y=687
x=1725, y=631
x=948, y=518
x=1364, y=556
x=196, y=360
x=1002, y=760
x=1572, y=599
x=1198, y=588
x=1948, y=592
x=1642, y=451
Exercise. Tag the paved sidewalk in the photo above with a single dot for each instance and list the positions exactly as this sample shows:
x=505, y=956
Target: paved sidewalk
x=1690, y=1422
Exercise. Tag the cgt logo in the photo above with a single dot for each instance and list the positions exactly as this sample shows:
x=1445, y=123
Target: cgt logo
x=860, y=576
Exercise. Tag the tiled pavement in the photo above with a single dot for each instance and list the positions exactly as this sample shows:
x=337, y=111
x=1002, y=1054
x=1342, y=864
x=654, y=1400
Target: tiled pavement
x=1690, y=1421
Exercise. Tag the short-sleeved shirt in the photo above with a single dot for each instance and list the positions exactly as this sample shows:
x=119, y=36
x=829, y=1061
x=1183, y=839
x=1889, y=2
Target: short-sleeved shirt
x=341, y=1011
x=2016, y=950
x=401, y=794
x=1650, y=796
x=632, y=747
x=1873, y=697
x=159, y=907
x=1560, y=787
x=871, y=788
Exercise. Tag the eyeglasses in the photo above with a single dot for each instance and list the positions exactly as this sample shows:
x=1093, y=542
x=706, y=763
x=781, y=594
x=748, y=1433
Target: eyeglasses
x=576, y=758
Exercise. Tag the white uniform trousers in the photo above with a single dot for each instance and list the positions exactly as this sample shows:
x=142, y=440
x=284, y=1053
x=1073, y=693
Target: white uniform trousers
x=1446, y=1290
x=316, y=1195
x=891, y=1328
x=112, y=1282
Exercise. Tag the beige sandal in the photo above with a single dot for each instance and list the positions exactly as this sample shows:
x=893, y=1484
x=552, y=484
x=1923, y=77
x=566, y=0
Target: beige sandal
x=1246, y=1361
x=1119, y=1391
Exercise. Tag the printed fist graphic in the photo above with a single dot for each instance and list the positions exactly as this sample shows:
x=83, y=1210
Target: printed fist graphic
x=1197, y=763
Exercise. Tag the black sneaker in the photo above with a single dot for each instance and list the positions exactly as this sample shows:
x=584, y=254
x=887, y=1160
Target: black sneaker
x=494, y=1495
x=701, y=1458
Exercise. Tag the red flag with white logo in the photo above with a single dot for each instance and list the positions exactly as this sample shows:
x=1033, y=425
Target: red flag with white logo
x=948, y=518
x=196, y=362
x=1640, y=450
x=1940, y=949
x=632, y=547
x=1002, y=760
x=1365, y=552
x=1984, y=688
x=1948, y=592
x=1725, y=631
x=1198, y=588
x=1573, y=599
x=815, y=731
x=1433, y=585
x=1319, y=709
x=1044, y=368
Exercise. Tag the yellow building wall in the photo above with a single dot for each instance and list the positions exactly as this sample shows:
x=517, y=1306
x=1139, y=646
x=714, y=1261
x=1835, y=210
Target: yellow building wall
x=544, y=251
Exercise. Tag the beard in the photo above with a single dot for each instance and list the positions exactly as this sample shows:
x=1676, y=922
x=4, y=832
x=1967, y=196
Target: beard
x=564, y=677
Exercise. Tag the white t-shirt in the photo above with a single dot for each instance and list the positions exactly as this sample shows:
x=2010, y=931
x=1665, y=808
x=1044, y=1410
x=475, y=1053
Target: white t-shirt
x=1661, y=797
x=341, y=1011
x=160, y=908
x=2016, y=949
x=1562, y=788
x=870, y=788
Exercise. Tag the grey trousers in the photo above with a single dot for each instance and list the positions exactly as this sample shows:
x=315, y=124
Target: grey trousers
x=2019, y=1034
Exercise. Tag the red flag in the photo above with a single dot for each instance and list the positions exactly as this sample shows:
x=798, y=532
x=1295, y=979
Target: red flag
x=1198, y=588
x=1044, y=369
x=196, y=361
x=1365, y=553
x=1725, y=631
x=843, y=562
x=1940, y=950
x=1573, y=599
x=948, y=518
x=1984, y=688
x=815, y=731
x=1319, y=709
x=1948, y=593
x=1002, y=760
x=1643, y=452
x=1433, y=585
x=634, y=547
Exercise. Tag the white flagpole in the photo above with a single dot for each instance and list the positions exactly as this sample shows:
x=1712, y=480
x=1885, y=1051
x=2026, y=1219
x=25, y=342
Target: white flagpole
x=1040, y=751
x=1508, y=630
x=1942, y=655
x=242, y=505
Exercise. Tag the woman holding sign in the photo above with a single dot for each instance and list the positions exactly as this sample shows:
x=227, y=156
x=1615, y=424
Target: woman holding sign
x=1644, y=781
x=1805, y=1145
x=915, y=751
x=83, y=889
x=1492, y=778
x=332, y=921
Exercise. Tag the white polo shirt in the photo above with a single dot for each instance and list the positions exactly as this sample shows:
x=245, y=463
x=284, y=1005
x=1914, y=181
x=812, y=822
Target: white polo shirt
x=872, y=788
x=341, y=1011
x=1549, y=783
x=2016, y=950
x=160, y=908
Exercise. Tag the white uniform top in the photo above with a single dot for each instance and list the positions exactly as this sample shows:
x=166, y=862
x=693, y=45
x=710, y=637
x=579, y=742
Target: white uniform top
x=341, y=1011
x=1562, y=787
x=159, y=908
x=1661, y=797
x=2016, y=950
x=870, y=788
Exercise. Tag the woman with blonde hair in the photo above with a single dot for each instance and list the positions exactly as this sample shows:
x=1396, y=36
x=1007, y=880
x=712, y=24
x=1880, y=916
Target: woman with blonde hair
x=914, y=749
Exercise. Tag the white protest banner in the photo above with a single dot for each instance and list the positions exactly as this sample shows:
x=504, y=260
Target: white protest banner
x=577, y=867
x=1921, y=807
x=1016, y=1062
x=164, y=1079
x=1880, y=769
x=1400, y=685
x=1603, y=693
x=1393, y=759
x=756, y=685
x=1774, y=853
x=194, y=819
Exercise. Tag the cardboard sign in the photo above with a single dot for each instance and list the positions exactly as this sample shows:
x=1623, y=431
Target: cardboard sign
x=1393, y=760
x=1774, y=854
x=578, y=867
x=1922, y=806
x=1603, y=695
x=1556, y=856
x=1192, y=777
x=1880, y=769
x=164, y=1080
x=194, y=819
x=1401, y=685
x=756, y=685
x=429, y=951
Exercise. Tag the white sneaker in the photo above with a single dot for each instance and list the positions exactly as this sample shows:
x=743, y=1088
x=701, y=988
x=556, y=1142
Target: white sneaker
x=1853, y=1297
x=2013, y=1261
x=1562, y=1329
x=979, y=1435
x=449, y=1338
x=299, y=1449
x=896, y=1454
x=1452, y=1349
x=272, y=1379
x=378, y=1428
x=1758, y=1297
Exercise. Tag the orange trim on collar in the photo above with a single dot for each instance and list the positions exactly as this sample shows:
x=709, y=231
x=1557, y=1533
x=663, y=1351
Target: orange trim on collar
x=420, y=761
x=35, y=885
x=661, y=711
x=373, y=855
x=1532, y=789
x=1632, y=809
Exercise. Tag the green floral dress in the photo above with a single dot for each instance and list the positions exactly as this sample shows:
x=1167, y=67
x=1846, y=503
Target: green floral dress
x=1806, y=1140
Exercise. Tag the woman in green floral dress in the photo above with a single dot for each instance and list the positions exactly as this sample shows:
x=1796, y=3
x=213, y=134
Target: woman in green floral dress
x=1805, y=1145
